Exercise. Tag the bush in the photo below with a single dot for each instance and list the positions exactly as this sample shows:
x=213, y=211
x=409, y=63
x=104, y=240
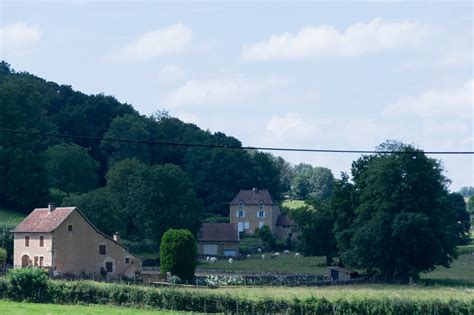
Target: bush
x=28, y=284
x=6, y=239
x=178, y=253
x=265, y=234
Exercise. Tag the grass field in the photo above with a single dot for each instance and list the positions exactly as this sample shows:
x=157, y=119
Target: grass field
x=461, y=271
x=333, y=293
x=10, y=216
x=293, y=204
x=282, y=264
x=17, y=308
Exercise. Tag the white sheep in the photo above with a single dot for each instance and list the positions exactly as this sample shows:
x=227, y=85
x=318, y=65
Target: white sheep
x=213, y=260
x=231, y=260
x=263, y=256
x=207, y=258
x=286, y=252
x=276, y=254
x=259, y=250
x=297, y=255
x=248, y=255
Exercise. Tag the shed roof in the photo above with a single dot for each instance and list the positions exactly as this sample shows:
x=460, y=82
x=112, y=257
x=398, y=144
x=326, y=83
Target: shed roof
x=253, y=197
x=227, y=232
x=42, y=221
x=341, y=269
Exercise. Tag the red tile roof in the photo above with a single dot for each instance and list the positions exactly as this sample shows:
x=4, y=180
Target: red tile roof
x=252, y=197
x=284, y=220
x=219, y=232
x=42, y=221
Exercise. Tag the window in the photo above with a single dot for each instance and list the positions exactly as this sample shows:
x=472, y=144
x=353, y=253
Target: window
x=41, y=261
x=27, y=241
x=261, y=214
x=260, y=225
x=261, y=204
x=102, y=249
x=241, y=205
x=109, y=266
x=69, y=227
x=240, y=214
x=127, y=260
x=246, y=225
x=41, y=241
x=241, y=226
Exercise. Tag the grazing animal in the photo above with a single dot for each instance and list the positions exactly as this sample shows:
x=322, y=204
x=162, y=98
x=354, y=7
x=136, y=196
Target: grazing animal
x=231, y=260
x=248, y=255
x=213, y=260
x=207, y=258
x=276, y=254
x=286, y=252
x=297, y=255
x=263, y=256
x=259, y=250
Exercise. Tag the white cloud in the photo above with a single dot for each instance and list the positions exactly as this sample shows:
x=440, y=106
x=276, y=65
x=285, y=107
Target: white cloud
x=171, y=73
x=19, y=36
x=220, y=91
x=289, y=127
x=325, y=41
x=173, y=39
x=457, y=102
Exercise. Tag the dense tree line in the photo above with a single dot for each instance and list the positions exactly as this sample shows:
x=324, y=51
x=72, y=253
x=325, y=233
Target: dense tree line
x=135, y=188
x=396, y=217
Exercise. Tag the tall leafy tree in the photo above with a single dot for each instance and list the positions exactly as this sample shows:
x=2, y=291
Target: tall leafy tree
x=462, y=218
x=164, y=198
x=70, y=168
x=404, y=223
x=312, y=182
x=129, y=127
x=315, y=223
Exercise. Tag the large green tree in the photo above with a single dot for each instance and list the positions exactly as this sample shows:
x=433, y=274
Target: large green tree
x=315, y=223
x=70, y=168
x=312, y=182
x=164, y=197
x=178, y=253
x=404, y=223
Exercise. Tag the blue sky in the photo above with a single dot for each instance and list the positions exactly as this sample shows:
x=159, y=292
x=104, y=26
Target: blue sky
x=339, y=75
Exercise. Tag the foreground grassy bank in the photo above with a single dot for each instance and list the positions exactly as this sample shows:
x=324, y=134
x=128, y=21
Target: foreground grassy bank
x=18, y=308
x=333, y=300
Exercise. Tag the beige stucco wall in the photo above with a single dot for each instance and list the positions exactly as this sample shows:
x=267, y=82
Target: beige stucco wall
x=221, y=246
x=33, y=249
x=251, y=211
x=77, y=252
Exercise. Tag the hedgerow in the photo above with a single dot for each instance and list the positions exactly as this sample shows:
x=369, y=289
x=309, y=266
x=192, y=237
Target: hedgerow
x=89, y=292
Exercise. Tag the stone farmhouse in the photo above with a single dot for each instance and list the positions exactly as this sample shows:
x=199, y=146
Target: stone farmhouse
x=252, y=209
x=67, y=243
x=219, y=239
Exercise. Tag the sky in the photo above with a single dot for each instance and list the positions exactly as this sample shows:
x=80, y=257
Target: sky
x=322, y=75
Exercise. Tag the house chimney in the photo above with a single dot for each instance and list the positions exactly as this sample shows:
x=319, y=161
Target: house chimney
x=51, y=207
x=116, y=237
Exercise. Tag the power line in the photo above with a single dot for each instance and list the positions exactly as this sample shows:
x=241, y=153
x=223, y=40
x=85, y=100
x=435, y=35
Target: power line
x=217, y=146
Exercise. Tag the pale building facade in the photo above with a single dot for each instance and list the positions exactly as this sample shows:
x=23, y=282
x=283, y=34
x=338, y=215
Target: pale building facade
x=66, y=242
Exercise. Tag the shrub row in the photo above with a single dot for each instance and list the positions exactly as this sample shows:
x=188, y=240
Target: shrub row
x=88, y=292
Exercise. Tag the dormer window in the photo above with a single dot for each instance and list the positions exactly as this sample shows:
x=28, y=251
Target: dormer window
x=241, y=205
x=261, y=204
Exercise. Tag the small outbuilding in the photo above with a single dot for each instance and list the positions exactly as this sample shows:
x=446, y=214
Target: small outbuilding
x=342, y=274
x=219, y=239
